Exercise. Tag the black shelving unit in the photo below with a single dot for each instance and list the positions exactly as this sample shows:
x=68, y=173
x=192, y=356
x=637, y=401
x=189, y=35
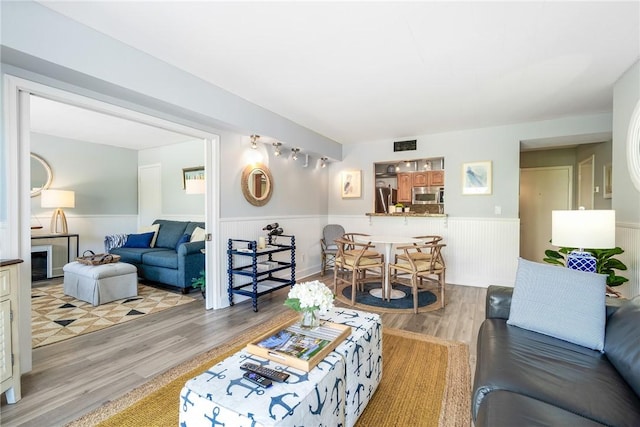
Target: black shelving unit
x=262, y=280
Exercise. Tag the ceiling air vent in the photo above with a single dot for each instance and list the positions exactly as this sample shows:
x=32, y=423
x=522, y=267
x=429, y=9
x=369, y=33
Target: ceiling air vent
x=405, y=145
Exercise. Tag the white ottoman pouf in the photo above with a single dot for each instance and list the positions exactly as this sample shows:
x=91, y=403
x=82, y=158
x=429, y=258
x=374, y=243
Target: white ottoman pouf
x=99, y=284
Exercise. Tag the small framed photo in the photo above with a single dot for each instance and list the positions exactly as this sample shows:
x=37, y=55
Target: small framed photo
x=476, y=178
x=351, y=184
x=606, y=181
x=191, y=173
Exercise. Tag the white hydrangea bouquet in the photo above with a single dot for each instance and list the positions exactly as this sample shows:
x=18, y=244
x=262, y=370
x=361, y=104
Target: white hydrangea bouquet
x=311, y=299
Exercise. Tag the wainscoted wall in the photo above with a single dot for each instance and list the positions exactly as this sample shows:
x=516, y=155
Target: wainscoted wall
x=479, y=251
x=628, y=238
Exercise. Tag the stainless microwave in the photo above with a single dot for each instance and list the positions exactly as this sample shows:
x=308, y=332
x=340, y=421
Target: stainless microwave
x=427, y=195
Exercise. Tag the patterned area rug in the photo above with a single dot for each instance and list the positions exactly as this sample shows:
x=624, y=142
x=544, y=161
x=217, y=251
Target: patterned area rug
x=56, y=317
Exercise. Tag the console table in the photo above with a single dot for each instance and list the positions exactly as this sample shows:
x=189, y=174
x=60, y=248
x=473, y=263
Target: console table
x=68, y=237
x=333, y=393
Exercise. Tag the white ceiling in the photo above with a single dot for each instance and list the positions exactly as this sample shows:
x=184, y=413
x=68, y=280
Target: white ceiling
x=370, y=71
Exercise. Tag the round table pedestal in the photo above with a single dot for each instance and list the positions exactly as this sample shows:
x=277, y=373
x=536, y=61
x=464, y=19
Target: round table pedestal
x=395, y=294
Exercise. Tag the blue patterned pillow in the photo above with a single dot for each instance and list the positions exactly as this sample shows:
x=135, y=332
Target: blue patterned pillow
x=139, y=240
x=560, y=302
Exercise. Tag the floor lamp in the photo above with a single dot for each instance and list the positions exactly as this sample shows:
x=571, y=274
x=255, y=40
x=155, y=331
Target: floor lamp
x=592, y=229
x=58, y=199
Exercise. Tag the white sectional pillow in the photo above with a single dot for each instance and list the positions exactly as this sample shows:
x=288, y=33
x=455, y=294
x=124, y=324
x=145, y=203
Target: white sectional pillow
x=198, y=235
x=560, y=302
x=155, y=228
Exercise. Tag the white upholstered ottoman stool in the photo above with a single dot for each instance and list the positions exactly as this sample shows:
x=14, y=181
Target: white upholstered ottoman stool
x=100, y=284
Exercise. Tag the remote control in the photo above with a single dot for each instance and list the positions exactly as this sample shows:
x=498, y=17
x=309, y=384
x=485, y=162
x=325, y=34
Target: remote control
x=272, y=374
x=257, y=379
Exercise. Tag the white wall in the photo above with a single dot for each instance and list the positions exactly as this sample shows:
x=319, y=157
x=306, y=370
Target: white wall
x=626, y=198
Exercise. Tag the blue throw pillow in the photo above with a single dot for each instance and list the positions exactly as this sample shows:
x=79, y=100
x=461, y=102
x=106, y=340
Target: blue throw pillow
x=139, y=240
x=560, y=302
x=184, y=239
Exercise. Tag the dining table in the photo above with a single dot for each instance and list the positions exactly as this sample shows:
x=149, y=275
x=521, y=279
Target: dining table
x=388, y=241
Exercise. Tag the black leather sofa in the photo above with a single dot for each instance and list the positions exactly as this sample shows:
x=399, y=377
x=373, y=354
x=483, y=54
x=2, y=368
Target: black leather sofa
x=524, y=378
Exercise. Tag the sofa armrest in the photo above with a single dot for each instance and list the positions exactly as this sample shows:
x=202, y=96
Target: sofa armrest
x=498, y=302
x=190, y=248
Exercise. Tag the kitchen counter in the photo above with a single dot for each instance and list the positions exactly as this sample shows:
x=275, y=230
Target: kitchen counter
x=412, y=214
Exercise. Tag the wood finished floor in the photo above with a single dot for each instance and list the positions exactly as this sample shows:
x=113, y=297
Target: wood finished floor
x=76, y=376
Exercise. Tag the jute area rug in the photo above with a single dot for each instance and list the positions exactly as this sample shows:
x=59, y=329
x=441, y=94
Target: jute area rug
x=425, y=382
x=56, y=317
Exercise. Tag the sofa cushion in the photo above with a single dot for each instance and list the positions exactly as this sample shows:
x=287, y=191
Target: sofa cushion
x=155, y=228
x=622, y=343
x=198, y=235
x=191, y=227
x=133, y=255
x=142, y=240
x=170, y=232
x=560, y=302
x=506, y=409
x=566, y=375
x=164, y=258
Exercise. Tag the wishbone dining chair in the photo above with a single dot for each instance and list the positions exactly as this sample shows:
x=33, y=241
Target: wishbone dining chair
x=421, y=269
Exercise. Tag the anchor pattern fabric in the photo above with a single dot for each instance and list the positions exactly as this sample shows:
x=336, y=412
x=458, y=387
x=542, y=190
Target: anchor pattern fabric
x=334, y=393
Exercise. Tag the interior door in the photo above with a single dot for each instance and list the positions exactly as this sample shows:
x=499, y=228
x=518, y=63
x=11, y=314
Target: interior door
x=541, y=191
x=149, y=194
x=585, y=182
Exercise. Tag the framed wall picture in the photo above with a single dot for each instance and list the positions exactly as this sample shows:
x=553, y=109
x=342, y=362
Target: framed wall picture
x=476, y=178
x=351, y=184
x=191, y=173
x=606, y=181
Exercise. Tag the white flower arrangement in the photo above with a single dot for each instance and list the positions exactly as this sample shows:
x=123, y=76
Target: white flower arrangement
x=309, y=296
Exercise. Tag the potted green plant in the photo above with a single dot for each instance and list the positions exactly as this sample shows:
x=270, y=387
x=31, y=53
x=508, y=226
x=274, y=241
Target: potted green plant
x=200, y=282
x=605, y=263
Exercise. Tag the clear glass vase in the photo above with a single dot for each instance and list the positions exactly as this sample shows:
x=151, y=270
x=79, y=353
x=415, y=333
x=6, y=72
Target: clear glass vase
x=310, y=319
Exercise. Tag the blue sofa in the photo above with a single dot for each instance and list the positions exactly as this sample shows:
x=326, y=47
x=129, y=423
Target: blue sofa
x=164, y=263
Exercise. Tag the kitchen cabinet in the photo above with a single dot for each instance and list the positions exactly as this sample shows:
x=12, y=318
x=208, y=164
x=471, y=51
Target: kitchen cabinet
x=420, y=179
x=258, y=266
x=10, y=361
x=405, y=183
x=436, y=177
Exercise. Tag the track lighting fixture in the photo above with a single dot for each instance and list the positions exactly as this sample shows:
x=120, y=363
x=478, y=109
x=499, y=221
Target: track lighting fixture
x=276, y=148
x=254, y=141
x=323, y=162
x=295, y=152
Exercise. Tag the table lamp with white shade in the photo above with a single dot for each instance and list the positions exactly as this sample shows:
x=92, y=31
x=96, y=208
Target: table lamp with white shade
x=195, y=185
x=58, y=199
x=592, y=229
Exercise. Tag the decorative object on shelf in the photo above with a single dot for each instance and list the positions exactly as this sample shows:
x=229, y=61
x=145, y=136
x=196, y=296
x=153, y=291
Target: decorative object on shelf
x=58, y=199
x=606, y=181
x=594, y=229
x=311, y=299
x=351, y=185
x=476, y=178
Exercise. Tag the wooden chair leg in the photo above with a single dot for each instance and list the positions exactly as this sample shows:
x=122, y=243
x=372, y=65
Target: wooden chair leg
x=414, y=286
x=323, y=264
x=354, y=286
x=442, y=289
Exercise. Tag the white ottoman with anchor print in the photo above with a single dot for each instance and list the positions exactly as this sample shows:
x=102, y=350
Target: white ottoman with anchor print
x=333, y=393
x=100, y=284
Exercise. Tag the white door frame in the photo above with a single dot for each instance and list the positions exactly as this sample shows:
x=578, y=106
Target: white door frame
x=582, y=181
x=17, y=149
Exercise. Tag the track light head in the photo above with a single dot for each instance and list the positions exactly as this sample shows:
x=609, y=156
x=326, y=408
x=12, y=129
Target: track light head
x=254, y=141
x=276, y=148
x=295, y=152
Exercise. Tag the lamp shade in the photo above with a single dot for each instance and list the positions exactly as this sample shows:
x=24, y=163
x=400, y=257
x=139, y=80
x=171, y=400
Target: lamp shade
x=58, y=199
x=592, y=229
